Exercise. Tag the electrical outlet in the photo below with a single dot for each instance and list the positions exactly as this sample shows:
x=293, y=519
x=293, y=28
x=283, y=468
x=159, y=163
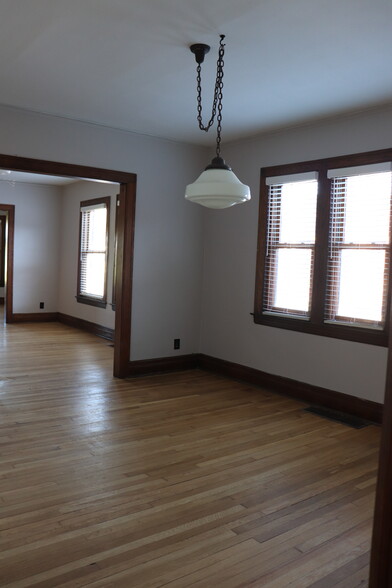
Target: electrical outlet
x=41, y=305
x=176, y=344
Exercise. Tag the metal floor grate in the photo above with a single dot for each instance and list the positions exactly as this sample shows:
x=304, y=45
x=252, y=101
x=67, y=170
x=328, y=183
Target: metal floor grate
x=339, y=417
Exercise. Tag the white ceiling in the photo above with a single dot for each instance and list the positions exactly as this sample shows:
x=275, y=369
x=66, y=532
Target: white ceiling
x=126, y=63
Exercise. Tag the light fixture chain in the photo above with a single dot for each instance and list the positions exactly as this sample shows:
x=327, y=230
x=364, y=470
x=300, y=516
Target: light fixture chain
x=218, y=93
x=220, y=106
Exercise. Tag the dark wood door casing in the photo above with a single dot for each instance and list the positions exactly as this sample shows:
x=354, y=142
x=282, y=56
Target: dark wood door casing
x=381, y=554
x=124, y=238
x=9, y=272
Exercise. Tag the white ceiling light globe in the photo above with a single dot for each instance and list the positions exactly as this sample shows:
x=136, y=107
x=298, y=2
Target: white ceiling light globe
x=217, y=187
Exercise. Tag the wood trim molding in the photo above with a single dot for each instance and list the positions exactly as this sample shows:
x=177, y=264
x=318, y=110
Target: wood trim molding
x=116, y=215
x=70, y=321
x=125, y=231
x=9, y=277
x=91, y=301
x=34, y=317
x=94, y=328
x=56, y=168
x=380, y=561
x=354, y=159
x=3, y=225
x=315, y=322
x=85, y=298
x=365, y=409
x=163, y=364
x=124, y=259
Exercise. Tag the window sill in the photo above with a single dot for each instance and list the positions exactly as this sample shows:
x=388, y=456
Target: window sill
x=335, y=330
x=282, y=315
x=91, y=301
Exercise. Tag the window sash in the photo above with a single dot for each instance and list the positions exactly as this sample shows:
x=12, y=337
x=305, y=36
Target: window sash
x=93, y=251
x=340, y=244
x=275, y=244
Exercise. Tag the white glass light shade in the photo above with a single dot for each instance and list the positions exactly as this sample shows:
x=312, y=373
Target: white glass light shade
x=217, y=188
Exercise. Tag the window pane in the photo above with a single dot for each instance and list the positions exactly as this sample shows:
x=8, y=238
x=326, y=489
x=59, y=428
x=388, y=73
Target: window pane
x=93, y=250
x=97, y=230
x=357, y=277
x=298, y=212
x=293, y=274
x=367, y=208
x=95, y=274
x=361, y=284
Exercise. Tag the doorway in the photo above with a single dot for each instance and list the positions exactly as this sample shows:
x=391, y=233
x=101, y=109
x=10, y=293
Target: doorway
x=124, y=237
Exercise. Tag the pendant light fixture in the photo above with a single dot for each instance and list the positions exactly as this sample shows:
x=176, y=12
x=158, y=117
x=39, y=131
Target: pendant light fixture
x=217, y=186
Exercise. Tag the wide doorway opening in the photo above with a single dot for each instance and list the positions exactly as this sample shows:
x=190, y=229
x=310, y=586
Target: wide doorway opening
x=121, y=188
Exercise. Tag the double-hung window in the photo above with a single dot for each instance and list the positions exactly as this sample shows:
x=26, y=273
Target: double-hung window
x=93, y=251
x=358, y=256
x=290, y=244
x=324, y=247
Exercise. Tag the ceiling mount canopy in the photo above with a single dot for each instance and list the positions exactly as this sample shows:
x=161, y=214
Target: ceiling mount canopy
x=217, y=186
x=200, y=50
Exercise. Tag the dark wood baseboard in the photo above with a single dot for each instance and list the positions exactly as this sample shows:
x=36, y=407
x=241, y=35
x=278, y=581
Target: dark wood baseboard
x=365, y=409
x=315, y=395
x=71, y=321
x=163, y=364
x=34, y=317
x=77, y=323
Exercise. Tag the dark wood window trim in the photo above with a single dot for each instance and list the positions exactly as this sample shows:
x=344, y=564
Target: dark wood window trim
x=316, y=323
x=3, y=220
x=115, y=254
x=83, y=298
x=91, y=301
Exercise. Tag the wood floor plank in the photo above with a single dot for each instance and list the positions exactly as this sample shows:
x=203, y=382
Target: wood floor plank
x=176, y=480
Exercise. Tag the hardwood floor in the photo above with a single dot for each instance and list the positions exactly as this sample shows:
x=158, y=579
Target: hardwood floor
x=180, y=480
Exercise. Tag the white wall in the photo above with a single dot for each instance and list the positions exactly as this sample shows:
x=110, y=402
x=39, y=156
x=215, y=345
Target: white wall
x=36, y=248
x=168, y=236
x=169, y=240
x=72, y=195
x=227, y=329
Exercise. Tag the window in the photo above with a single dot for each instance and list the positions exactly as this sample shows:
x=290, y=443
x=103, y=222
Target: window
x=290, y=245
x=324, y=247
x=93, y=251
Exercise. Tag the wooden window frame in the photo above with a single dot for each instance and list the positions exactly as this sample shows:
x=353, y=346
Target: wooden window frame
x=337, y=245
x=315, y=324
x=3, y=224
x=83, y=298
x=114, y=277
x=274, y=244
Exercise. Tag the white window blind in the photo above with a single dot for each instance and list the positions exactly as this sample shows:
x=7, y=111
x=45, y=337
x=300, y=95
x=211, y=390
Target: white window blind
x=291, y=178
x=93, y=251
x=290, y=245
x=358, y=256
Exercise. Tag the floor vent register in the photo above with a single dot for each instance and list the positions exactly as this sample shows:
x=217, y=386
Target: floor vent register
x=339, y=417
